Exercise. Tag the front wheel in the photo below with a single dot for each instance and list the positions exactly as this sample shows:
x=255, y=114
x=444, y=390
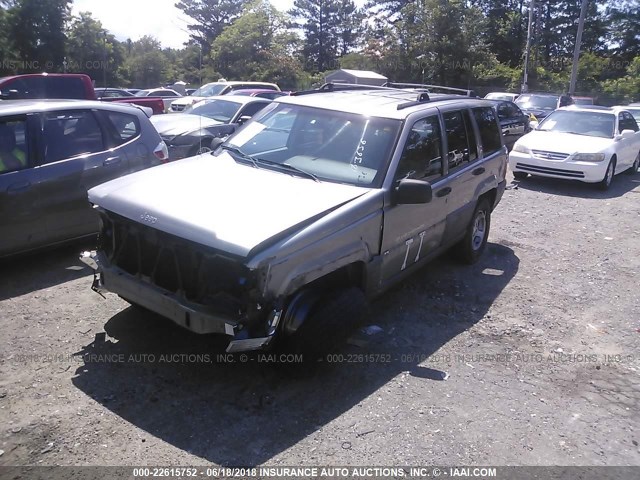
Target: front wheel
x=472, y=246
x=636, y=165
x=322, y=321
x=605, y=183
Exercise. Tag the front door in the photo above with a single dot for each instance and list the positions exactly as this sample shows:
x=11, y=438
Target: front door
x=412, y=232
x=21, y=223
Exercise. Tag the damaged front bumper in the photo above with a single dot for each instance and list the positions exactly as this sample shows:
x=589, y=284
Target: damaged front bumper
x=198, y=319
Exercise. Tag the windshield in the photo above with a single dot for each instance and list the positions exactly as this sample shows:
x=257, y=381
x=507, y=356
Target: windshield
x=593, y=124
x=220, y=110
x=142, y=93
x=543, y=102
x=330, y=145
x=209, y=90
x=500, y=96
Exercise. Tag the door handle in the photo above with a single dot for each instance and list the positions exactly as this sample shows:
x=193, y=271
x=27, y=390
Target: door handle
x=112, y=161
x=18, y=187
x=443, y=192
x=478, y=171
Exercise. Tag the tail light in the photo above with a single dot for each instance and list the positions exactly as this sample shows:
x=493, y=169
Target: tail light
x=162, y=152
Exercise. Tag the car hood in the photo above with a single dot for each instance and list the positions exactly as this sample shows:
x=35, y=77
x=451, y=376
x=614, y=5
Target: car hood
x=564, y=142
x=217, y=202
x=181, y=123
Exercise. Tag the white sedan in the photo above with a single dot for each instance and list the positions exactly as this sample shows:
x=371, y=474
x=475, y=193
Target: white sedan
x=589, y=144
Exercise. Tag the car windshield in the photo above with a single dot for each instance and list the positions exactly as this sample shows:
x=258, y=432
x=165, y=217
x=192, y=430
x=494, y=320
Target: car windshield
x=499, y=96
x=330, y=145
x=582, y=101
x=593, y=124
x=209, y=90
x=220, y=110
x=142, y=93
x=543, y=102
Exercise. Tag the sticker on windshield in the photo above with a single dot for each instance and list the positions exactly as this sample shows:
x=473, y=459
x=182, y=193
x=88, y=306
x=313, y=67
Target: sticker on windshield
x=247, y=133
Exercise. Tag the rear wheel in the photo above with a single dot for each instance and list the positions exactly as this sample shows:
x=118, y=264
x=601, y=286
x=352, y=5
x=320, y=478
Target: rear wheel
x=472, y=246
x=605, y=183
x=636, y=165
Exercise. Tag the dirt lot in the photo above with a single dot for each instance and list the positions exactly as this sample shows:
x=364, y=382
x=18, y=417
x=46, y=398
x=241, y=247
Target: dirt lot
x=530, y=357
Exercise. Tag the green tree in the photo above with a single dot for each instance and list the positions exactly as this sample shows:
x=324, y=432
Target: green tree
x=258, y=46
x=94, y=51
x=623, y=32
x=319, y=20
x=210, y=18
x=36, y=30
x=145, y=65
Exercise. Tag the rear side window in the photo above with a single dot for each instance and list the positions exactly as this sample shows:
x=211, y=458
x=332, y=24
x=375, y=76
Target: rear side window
x=460, y=139
x=13, y=145
x=422, y=154
x=627, y=122
x=70, y=134
x=65, y=87
x=26, y=87
x=124, y=127
x=489, y=130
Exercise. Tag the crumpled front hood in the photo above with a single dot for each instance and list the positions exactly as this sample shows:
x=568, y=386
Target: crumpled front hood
x=217, y=202
x=564, y=142
x=181, y=123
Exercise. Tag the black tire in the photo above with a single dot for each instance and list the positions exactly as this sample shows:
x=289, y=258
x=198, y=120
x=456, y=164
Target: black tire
x=520, y=175
x=605, y=183
x=329, y=319
x=636, y=165
x=472, y=246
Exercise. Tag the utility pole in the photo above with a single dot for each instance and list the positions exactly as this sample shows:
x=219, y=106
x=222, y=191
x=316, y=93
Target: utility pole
x=576, y=51
x=525, y=82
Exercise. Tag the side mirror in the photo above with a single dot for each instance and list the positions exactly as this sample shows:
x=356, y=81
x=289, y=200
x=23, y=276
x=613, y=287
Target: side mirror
x=627, y=133
x=412, y=192
x=244, y=119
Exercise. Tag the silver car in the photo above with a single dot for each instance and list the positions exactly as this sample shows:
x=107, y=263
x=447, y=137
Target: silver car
x=321, y=201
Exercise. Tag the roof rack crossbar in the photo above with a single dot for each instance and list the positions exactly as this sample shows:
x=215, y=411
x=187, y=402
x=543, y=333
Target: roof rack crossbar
x=337, y=87
x=468, y=93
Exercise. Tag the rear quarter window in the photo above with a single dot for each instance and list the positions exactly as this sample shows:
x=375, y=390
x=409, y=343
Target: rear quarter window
x=65, y=87
x=123, y=127
x=490, y=134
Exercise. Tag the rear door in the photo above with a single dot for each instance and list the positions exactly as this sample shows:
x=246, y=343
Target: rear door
x=20, y=218
x=124, y=140
x=463, y=169
x=74, y=158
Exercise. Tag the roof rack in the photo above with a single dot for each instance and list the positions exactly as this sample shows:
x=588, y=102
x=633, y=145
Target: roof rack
x=429, y=88
x=337, y=87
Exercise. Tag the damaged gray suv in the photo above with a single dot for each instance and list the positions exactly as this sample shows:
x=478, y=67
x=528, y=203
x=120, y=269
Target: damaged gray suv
x=320, y=202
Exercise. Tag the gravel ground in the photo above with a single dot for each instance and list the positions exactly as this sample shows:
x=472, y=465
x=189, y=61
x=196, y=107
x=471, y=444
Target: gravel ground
x=529, y=357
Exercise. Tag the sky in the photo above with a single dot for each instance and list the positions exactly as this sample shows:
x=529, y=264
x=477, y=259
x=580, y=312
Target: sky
x=135, y=18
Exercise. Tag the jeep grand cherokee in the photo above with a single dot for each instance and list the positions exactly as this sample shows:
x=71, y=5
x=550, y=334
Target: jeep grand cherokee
x=323, y=200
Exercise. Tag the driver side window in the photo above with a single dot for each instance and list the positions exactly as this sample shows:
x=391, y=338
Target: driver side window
x=422, y=154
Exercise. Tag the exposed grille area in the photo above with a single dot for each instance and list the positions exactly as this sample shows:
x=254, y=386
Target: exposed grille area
x=544, y=155
x=177, y=108
x=551, y=171
x=192, y=271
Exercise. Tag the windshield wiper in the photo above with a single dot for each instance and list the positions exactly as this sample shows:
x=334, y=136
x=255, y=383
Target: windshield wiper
x=289, y=167
x=240, y=153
